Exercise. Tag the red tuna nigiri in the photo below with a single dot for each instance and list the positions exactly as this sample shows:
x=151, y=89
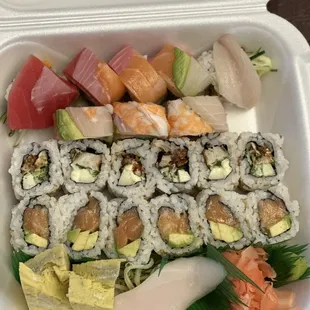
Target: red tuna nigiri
x=95, y=78
x=36, y=94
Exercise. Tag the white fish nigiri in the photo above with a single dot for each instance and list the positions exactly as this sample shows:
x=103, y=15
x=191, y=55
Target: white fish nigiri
x=210, y=109
x=180, y=284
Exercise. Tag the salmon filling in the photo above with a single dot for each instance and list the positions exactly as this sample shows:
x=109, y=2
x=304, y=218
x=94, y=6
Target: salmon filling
x=36, y=222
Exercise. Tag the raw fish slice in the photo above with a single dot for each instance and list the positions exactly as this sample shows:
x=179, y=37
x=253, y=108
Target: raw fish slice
x=146, y=119
x=210, y=109
x=140, y=78
x=36, y=94
x=95, y=78
x=237, y=79
x=184, y=121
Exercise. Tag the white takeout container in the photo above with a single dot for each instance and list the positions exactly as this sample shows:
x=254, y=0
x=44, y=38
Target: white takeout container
x=57, y=30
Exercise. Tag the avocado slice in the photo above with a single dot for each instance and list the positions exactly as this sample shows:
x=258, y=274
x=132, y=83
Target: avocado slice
x=81, y=240
x=224, y=232
x=131, y=249
x=128, y=177
x=183, y=176
x=29, y=181
x=67, y=129
x=73, y=234
x=91, y=240
x=219, y=173
x=180, y=67
x=180, y=240
x=299, y=269
x=36, y=240
x=83, y=175
x=282, y=226
x=268, y=170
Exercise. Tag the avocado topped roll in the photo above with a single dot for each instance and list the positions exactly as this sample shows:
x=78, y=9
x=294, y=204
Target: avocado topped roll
x=33, y=227
x=175, y=225
x=223, y=218
x=35, y=169
x=261, y=160
x=131, y=169
x=129, y=230
x=272, y=215
x=175, y=165
x=85, y=165
x=219, y=167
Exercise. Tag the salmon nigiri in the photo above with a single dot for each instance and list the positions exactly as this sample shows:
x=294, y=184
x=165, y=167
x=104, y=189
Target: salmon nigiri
x=145, y=119
x=140, y=78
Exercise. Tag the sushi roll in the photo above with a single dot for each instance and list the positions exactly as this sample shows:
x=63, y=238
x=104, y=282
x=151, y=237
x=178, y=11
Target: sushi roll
x=85, y=164
x=84, y=222
x=140, y=78
x=33, y=225
x=129, y=230
x=175, y=165
x=272, y=215
x=175, y=223
x=140, y=119
x=36, y=169
x=219, y=164
x=131, y=169
x=261, y=160
x=223, y=220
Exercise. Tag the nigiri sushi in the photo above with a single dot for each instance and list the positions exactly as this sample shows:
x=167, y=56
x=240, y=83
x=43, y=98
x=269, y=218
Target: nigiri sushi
x=36, y=94
x=140, y=78
x=95, y=78
x=182, y=73
x=140, y=119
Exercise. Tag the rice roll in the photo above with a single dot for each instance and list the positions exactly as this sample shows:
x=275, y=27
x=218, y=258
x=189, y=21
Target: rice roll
x=175, y=165
x=261, y=160
x=36, y=169
x=129, y=230
x=33, y=225
x=175, y=223
x=223, y=221
x=219, y=166
x=272, y=216
x=85, y=165
x=131, y=169
x=84, y=224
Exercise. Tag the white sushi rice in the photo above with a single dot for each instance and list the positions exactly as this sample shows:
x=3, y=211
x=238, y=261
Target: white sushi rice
x=67, y=207
x=207, y=63
x=228, y=139
x=55, y=173
x=162, y=183
x=119, y=206
x=180, y=203
x=236, y=205
x=141, y=148
x=100, y=149
x=16, y=227
x=252, y=214
x=249, y=182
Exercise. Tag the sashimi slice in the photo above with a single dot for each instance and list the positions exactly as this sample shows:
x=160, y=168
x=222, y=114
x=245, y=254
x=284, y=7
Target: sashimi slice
x=95, y=78
x=36, y=94
x=184, y=121
x=146, y=119
x=210, y=109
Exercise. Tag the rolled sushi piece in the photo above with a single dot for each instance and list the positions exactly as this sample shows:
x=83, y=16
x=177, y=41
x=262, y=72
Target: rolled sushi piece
x=175, y=165
x=182, y=73
x=175, y=222
x=76, y=123
x=140, y=119
x=261, y=160
x=129, y=230
x=219, y=162
x=131, y=169
x=95, y=78
x=272, y=215
x=36, y=169
x=86, y=165
x=139, y=77
x=33, y=225
x=223, y=219
x=84, y=222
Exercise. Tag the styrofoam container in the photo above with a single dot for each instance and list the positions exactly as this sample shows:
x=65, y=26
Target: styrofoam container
x=57, y=30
